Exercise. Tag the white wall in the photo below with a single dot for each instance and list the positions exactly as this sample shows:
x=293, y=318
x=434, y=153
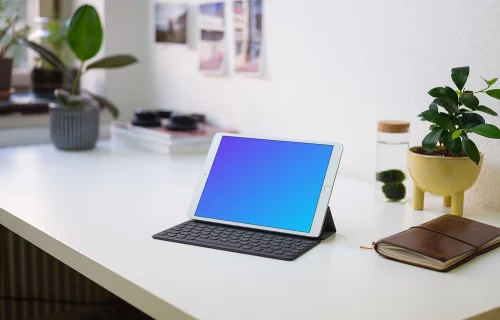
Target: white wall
x=127, y=30
x=333, y=68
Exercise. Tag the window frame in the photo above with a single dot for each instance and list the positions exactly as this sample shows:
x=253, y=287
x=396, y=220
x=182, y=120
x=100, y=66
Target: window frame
x=21, y=76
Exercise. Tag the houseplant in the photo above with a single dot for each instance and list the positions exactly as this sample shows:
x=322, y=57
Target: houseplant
x=45, y=78
x=452, y=167
x=74, y=120
x=8, y=37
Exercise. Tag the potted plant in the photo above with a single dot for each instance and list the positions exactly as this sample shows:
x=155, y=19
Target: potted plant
x=452, y=167
x=74, y=120
x=9, y=35
x=45, y=78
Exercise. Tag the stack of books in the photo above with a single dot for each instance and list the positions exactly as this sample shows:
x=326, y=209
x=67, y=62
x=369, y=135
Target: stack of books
x=165, y=141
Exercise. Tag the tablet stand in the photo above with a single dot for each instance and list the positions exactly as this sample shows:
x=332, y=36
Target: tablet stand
x=328, y=226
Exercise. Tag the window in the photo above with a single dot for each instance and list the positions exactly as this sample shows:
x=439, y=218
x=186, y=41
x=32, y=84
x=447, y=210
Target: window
x=26, y=11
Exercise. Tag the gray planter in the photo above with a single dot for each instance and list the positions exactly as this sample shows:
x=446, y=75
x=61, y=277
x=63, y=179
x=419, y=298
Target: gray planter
x=74, y=128
x=5, y=73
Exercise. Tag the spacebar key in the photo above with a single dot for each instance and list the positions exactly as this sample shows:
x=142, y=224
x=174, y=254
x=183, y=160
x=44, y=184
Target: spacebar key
x=218, y=243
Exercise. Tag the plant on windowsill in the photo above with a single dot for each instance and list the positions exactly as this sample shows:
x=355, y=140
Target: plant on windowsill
x=74, y=120
x=9, y=35
x=451, y=168
x=51, y=33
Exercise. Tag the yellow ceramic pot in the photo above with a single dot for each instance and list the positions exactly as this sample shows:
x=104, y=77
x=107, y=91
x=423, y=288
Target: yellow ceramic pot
x=448, y=177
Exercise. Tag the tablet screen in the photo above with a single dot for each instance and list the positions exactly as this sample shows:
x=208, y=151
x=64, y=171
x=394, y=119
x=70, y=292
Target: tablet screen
x=267, y=183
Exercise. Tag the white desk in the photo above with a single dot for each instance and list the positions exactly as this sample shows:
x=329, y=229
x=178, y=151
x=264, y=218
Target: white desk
x=96, y=212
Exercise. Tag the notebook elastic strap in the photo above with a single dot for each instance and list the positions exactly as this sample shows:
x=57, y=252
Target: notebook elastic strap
x=470, y=244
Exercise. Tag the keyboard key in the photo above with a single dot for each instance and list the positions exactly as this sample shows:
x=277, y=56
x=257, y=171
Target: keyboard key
x=280, y=238
x=224, y=239
x=289, y=254
x=279, y=252
x=204, y=236
x=162, y=233
x=295, y=251
x=257, y=249
x=269, y=250
x=181, y=236
x=254, y=241
x=218, y=243
x=297, y=244
x=234, y=241
x=171, y=234
x=247, y=247
x=190, y=238
x=275, y=247
x=264, y=242
x=265, y=246
x=285, y=246
x=245, y=242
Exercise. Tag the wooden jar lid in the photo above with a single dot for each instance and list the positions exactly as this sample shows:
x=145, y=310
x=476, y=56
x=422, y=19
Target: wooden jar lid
x=393, y=126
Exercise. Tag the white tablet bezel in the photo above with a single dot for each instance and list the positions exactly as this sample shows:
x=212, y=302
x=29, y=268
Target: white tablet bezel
x=323, y=201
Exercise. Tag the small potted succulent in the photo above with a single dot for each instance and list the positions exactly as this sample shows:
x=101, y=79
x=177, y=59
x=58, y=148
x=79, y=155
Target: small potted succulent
x=74, y=120
x=9, y=36
x=448, y=162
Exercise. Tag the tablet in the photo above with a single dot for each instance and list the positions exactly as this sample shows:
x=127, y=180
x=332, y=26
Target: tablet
x=267, y=184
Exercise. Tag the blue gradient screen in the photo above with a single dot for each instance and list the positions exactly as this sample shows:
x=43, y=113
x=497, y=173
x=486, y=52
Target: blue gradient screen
x=265, y=182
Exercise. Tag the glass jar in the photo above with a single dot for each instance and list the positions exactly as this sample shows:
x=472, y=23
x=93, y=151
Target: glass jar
x=393, y=140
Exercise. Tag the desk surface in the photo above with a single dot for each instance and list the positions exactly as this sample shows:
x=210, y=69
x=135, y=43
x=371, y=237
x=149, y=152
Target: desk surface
x=96, y=212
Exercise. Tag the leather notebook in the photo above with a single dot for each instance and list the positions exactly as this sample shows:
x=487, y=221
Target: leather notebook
x=440, y=244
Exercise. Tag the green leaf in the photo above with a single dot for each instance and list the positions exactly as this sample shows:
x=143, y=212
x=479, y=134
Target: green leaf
x=471, y=117
x=440, y=119
x=65, y=98
x=457, y=148
x=438, y=92
x=470, y=101
x=457, y=92
x=486, y=130
x=450, y=93
x=430, y=140
x=491, y=82
x=495, y=93
x=443, y=121
x=105, y=103
x=486, y=110
x=433, y=107
x=85, y=33
x=457, y=133
x=447, y=103
x=448, y=141
x=459, y=76
x=433, y=126
x=116, y=61
x=471, y=150
x=430, y=114
x=46, y=54
x=468, y=126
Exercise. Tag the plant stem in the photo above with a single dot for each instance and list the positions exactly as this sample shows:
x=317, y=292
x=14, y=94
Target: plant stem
x=482, y=90
x=77, y=80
